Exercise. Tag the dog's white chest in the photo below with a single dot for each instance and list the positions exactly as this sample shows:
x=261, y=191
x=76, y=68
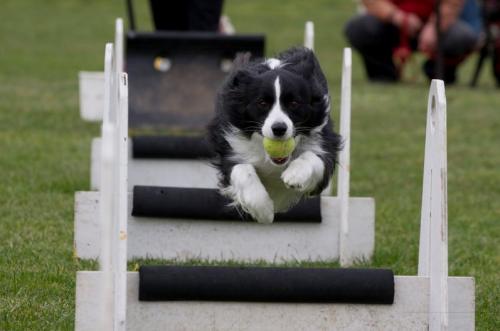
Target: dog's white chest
x=282, y=196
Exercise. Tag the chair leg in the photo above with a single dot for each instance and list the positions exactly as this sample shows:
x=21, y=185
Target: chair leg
x=482, y=56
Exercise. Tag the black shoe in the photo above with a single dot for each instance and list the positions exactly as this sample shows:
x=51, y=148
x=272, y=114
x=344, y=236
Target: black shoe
x=450, y=72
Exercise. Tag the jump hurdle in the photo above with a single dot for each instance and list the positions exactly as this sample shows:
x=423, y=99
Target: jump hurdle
x=235, y=240
x=147, y=164
x=142, y=168
x=202, y=55
x=193, y=298
x=157, y=93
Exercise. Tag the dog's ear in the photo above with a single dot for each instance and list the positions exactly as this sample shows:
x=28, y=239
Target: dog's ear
x=241, y=60
x=240, y=77
x=300, y=60
x=303, y=62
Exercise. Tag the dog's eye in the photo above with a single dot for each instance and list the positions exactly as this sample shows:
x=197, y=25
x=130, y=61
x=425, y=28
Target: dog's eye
x=292, y=105
x=263, y=104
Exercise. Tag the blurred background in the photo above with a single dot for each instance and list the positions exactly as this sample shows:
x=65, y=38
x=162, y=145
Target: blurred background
x=45, y=147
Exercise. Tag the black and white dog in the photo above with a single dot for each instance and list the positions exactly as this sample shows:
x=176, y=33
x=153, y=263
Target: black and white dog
x=279, y=98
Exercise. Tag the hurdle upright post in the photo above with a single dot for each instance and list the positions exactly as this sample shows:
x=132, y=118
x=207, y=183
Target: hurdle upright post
x=108, y=81
x=121, y=215
x=119, y=232
x=309, y=35
x=344, y=157
x=106, y=216
x=433, y=251
x=106, y=211
x=118, y=45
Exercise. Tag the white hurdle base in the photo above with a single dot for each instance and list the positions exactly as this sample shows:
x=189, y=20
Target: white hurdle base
x=91, y=91
x=158, y=172
x=410, y=310
x=242, y=241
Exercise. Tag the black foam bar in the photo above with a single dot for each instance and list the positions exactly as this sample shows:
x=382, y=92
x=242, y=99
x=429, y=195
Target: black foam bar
x=196, y=40
x=307, y=285
x=208, y=204
x=180, y=147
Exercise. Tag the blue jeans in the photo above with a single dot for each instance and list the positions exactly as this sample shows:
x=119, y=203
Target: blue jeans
x=375, y=41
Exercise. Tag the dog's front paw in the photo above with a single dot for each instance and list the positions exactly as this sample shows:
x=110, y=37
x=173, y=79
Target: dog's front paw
x=299, y=176
x=258, y=204
x=304, y=173
x=248, y=192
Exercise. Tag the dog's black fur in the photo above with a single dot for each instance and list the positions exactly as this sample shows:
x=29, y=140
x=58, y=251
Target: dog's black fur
x=245, y=99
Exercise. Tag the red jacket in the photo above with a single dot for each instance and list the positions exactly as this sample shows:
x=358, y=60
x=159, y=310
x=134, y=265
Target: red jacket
x=421, y=8
x=384, y=9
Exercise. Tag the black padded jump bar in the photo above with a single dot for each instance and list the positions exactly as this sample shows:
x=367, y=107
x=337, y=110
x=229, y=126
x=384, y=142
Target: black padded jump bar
x=207, y=204
x=140, y=42
x=157, y=147
x=307, y=285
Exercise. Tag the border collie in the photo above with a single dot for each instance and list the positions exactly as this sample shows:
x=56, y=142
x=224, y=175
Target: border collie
x=278, y=98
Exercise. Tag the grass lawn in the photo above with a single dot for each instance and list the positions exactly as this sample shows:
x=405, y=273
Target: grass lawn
x=45, y=150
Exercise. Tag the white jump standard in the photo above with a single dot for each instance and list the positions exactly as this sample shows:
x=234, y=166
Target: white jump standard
x=113, y=258
x=165, y=161
x=288, y=298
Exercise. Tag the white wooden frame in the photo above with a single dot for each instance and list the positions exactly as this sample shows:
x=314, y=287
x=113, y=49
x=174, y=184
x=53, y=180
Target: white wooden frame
x=91, y=83
x=430, y=301
x=112, y=213
x=184, y=240
x=309, y=35
x=91, y=88
x=236, y=240
x=433, y=248
x=107, y=208
x=344, y=167
x=158, y=172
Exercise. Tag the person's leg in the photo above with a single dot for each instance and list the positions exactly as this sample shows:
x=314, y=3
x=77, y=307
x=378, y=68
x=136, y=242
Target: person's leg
x=186, y=15
x=459, y=40
x=205, y=15
x=457, y=43
x=375, y=41
x=170, y=15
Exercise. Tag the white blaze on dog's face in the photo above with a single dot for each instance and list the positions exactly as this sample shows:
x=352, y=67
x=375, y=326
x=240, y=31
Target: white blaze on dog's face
x=277, y=124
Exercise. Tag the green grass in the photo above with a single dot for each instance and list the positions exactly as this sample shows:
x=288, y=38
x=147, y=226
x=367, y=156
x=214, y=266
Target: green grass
x=45, y=150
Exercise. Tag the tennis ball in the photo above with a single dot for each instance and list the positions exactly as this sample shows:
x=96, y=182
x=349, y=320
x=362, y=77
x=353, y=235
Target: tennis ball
x=162, y=64
x=279, y=148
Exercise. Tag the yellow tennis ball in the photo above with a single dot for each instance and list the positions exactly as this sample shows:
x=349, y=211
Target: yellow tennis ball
x=279, y=148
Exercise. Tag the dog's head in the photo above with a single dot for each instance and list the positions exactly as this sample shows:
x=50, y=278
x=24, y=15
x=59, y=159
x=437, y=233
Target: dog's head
x=279, y=98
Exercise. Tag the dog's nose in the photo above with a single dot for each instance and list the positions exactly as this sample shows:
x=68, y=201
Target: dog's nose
x=279, y=129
